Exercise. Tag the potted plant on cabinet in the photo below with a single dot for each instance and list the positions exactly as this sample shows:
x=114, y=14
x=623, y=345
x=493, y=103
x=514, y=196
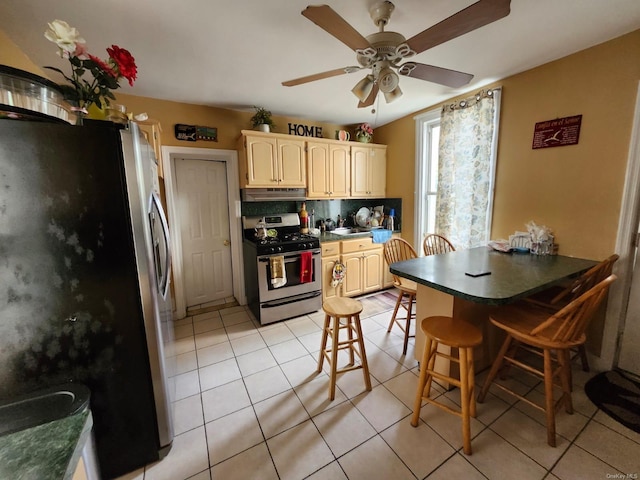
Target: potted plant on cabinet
x=262, y=120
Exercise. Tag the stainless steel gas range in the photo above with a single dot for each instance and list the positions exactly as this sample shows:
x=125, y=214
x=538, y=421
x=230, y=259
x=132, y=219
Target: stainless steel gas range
x=282, y=268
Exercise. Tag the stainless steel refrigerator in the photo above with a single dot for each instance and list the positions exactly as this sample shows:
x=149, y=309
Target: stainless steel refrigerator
x=84, y=280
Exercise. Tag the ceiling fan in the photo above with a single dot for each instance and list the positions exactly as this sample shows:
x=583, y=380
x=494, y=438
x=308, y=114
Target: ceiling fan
x=383, y=51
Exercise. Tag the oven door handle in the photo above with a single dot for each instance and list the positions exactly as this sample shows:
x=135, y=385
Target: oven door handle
x=295, y=255
x=299, y=298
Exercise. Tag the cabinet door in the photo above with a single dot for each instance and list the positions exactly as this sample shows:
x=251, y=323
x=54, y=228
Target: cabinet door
x=262, y=169
x=352, y=283
x=340, y=171
x=292, y=168
x=328, y=291
x=372, y=271
x=377, y=172
x=317, y=170
x=359, y=171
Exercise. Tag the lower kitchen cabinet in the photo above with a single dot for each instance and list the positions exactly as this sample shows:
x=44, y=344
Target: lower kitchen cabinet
x=366, y=269
x=330, y=255
x=363, y=261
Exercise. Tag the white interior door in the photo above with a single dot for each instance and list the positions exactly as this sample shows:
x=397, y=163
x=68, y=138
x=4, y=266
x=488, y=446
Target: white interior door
x=203, y=211
x=629, y=358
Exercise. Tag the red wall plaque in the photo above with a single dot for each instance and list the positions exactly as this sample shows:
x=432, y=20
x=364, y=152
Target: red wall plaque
x=557, y=133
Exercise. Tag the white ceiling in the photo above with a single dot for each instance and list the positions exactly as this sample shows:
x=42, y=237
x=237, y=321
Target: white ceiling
x=235, y=54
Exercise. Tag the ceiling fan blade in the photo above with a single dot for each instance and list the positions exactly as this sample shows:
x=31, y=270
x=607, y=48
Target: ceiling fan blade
x=327, y=19
x=370, y=99
x=443, y=76
x=316, y=76
x=474, y=16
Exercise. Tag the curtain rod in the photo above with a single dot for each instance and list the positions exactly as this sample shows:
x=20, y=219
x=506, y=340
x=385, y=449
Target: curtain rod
x=468, y=102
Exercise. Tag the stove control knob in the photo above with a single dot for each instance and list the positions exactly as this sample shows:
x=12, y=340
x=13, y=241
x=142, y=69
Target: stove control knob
x=271, y=250
x=278, y=249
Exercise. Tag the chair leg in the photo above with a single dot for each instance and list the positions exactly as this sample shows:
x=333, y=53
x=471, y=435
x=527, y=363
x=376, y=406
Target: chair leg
x=350, y=326
x=415, y=419
x=497, y=363
x=548, y=396
x=408, y=324
x=582, y=351
x=334, y=357
x=363, y=353
x=465, y=400
x=395, y=310
x=564, y=361
x=323, y=343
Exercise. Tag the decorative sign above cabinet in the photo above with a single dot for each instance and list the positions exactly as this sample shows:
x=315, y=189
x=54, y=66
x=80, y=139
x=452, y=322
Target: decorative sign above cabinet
x=305, y=130
x=557, y=133
x=192, y=133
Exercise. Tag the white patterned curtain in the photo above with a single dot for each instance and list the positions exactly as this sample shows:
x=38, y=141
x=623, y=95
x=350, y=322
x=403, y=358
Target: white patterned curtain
x=466, y=169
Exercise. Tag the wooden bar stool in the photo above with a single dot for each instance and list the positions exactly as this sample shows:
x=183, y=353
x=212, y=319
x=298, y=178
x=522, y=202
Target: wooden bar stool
x=455, y=334
x=349, y=310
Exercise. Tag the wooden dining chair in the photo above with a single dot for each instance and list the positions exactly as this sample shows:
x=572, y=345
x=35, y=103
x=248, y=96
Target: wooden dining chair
x=434, y=244
x=557, y=297
x=531, y=329
x=397, y=250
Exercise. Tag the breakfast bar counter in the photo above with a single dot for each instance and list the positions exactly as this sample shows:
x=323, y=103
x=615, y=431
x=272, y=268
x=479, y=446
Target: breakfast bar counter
x=445, y=288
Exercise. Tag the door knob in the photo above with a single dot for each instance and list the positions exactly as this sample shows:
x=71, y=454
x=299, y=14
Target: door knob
x=226, y=243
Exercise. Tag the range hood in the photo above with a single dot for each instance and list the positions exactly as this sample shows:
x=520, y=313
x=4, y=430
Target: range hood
x=273, y=194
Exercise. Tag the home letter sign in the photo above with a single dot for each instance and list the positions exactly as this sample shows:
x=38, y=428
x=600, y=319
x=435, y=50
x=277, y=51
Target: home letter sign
x=305, y=130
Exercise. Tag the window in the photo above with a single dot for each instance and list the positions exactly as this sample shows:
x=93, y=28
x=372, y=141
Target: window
x=455, y=169
x=428, y=139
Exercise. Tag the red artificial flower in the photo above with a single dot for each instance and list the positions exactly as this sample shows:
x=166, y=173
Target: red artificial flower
x=103, y=65
x=125, y=63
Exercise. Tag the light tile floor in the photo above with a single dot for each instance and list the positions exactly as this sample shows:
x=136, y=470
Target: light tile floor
x=250, y=406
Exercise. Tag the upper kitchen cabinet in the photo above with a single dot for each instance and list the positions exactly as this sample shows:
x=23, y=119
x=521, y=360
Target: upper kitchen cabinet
x=152, y=131
x=329, y=169
x=272, y=160
x=368, y=171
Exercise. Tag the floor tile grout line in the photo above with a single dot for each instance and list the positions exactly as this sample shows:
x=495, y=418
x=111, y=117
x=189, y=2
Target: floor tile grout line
x=510, y=406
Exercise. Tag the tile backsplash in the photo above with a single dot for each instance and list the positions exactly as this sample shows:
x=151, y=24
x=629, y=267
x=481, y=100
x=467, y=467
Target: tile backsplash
x=323, y=209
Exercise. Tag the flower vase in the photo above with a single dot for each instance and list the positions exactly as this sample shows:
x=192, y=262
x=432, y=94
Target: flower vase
x=363, y=138
x=80, y=116
x=80, y=112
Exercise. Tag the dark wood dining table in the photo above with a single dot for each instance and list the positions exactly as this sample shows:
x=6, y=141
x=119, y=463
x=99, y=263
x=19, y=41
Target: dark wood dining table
x=445, y=288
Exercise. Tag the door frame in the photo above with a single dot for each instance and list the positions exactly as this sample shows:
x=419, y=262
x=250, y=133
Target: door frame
x=627, y=230
x=230, y=158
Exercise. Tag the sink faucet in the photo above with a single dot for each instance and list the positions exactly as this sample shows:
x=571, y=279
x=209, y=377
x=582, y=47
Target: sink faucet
x=340, y=222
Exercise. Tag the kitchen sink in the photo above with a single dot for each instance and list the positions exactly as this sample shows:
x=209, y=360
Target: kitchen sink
x=344, y=231
x=43, y=406
x=351, y=230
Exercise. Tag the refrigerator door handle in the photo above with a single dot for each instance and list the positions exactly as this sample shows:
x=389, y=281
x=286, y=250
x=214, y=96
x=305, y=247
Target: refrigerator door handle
x=163, y=270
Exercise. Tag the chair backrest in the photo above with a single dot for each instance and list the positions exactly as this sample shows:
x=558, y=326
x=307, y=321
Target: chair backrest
x=398, y=250
x=435, y=244
x=587, y=280
x=570, y=323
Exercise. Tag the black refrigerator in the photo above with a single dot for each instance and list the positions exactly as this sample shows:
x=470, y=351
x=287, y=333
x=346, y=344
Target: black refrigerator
x=84, y=280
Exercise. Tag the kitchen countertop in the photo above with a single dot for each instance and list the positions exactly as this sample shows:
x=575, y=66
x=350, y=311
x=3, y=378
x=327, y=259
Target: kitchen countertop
x=46, y=452
x=332, y=237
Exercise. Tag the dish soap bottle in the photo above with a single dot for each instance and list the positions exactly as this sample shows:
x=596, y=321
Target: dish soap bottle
x=304, y=219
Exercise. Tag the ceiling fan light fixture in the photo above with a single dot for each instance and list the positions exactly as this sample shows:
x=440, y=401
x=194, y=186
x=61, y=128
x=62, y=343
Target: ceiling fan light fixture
x=363, y=88
x=387, y=80
x=395, y=94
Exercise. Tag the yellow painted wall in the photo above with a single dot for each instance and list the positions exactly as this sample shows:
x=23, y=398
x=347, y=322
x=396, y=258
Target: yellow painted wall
x=576, y=190
x=228, y=122
x=12, y=55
